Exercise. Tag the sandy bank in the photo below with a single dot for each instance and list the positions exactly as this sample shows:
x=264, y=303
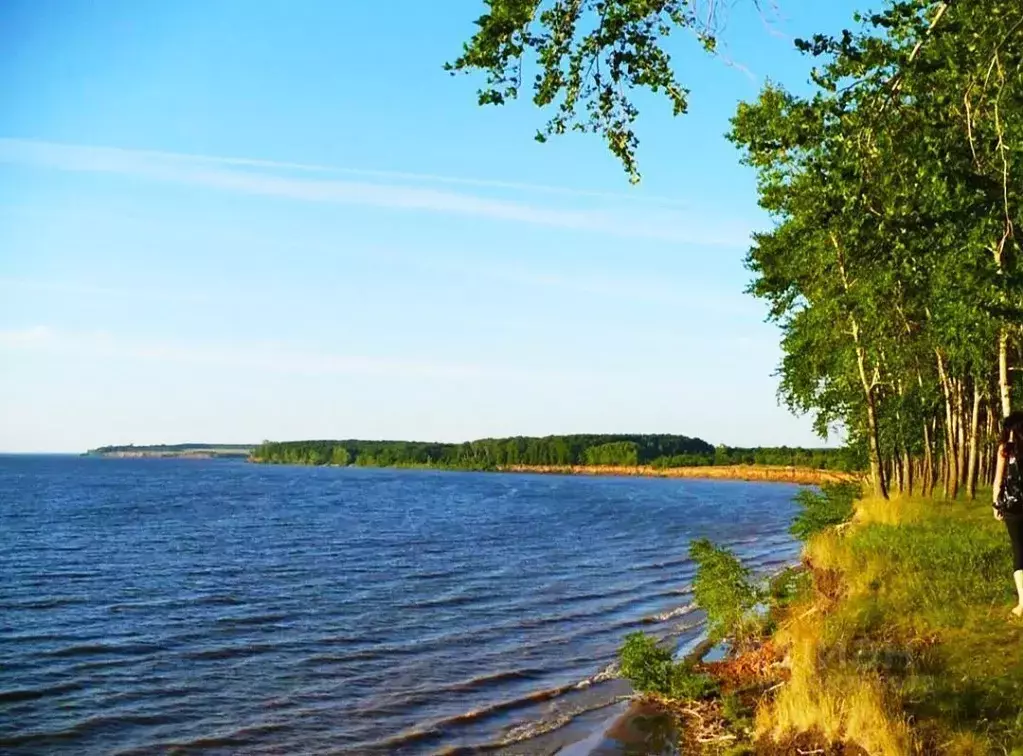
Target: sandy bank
x=765, y=473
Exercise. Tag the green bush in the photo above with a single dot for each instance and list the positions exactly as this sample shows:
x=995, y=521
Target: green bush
x=688, y=684
x=620, y=453
x=819, y=510
x=651, y=669
x=726, y=592
x=788, y=586
x=645, y=664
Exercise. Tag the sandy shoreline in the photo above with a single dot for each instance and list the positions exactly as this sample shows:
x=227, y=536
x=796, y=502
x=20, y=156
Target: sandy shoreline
x=750, y=473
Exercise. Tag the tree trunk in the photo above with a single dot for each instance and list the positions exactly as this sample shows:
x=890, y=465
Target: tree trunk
x=876, y=466
x=982, y=443
x=927, y=480
x=971, y=472
x=992, y=444
x=951, y=478
x=1003, y=371
x=874, y=440
x=944, y=474
x=962, y=420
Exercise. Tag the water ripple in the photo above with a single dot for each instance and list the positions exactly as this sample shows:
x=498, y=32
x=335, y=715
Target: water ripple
x=176, y=606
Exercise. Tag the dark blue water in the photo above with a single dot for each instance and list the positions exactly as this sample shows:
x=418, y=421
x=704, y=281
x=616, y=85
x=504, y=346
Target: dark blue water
x=155, y=605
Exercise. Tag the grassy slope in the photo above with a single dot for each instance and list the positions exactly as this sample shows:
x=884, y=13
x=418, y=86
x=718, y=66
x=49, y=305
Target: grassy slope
x=903, y=645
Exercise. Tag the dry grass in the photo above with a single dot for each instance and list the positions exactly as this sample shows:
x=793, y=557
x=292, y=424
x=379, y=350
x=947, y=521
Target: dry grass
x=827, y=699
x=897, y=643
x=898, y=510
x=967, y=744
x=905, y=624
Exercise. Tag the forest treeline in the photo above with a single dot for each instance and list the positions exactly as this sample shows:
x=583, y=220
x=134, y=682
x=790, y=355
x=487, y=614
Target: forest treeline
x=893, y=266
x=656, y=450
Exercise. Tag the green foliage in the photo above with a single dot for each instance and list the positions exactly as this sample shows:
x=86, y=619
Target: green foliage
x=620, y=453
x=788, y=586
x=339, y=456
x=689, y=684
x=892, y=266
x=645, y=664
x=651, y=669
x=726, y=592
x=659, y=451
x=830, y=506
x=843, y=459
x=486, y=454
x=590, y=55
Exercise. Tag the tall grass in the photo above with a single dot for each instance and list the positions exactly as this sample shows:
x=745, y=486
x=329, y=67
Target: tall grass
x=896, y=639
x=908, y=623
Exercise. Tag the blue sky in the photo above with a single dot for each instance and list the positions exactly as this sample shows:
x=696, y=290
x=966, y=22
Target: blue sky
x=247, y=219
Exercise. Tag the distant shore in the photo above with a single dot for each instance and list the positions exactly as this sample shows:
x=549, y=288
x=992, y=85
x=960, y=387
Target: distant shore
x=752, y=473
x=174, y=451
x=340, y=457
x=172, y=455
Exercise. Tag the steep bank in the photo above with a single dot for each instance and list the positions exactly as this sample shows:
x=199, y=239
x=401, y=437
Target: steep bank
x=894, y=639
x=752, y=473
x=904, y=645
x=898, y=642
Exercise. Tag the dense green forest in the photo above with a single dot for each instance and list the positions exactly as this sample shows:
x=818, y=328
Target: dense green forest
x=895, y=187
x=589, y=450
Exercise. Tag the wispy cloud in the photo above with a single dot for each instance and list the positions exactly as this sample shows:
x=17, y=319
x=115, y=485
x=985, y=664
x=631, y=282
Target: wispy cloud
x=78, y=289
x=36, y=149
x=309, y=183
x=249, y=358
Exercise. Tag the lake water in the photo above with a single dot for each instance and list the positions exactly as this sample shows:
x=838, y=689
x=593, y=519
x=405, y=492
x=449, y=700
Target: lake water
x=216, y=606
